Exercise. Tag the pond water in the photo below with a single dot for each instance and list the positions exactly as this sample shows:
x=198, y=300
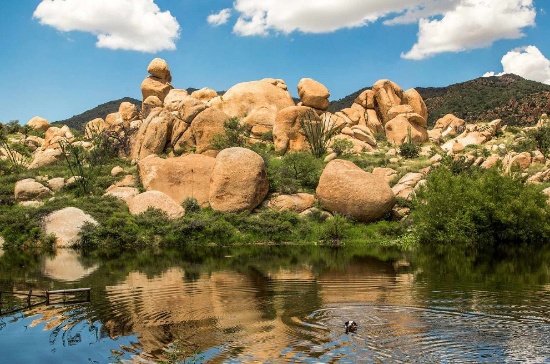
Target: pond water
x=277, y=304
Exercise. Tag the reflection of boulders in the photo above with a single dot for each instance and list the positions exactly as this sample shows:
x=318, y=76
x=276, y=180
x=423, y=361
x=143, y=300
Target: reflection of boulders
x=66, y=266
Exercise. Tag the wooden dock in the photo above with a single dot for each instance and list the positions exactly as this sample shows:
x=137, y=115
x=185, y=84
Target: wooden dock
x=76, y=295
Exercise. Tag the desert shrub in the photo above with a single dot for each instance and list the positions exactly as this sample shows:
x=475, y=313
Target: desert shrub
x=234, y=135
x=295, y=172
x=318, y=133
x=267, y=136
x=542, y=138
x=342, y=146
x=480, y=209
x=191, y=205
x=525, y=145
x=408, y=149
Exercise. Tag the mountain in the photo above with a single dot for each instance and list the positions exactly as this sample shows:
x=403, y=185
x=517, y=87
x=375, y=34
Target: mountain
x=513, y=99
x=101, y=111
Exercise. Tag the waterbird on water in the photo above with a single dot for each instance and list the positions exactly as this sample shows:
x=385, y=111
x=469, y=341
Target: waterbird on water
x=351, y=326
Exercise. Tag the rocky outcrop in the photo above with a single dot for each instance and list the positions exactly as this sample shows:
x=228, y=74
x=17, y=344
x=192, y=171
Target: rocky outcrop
x=154, y=134
x=183, y=177
x=407, y=184
x=474, y=134
x=205, y=127
x=54, y=135
x=38, y=123
x=158, y=83
x=29, y=189
x=239, y=181
x=346, y=189
x=313, y=94
x=205, y=94
x=387, y=95
x=66, y=224
x=155, y=200
x=399, y=128
x=448, y=125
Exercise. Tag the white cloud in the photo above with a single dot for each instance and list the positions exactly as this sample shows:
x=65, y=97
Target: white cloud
x=220, y=18
x=472, y=24
x=527, y=62
x=444, y=25
x=137, y=25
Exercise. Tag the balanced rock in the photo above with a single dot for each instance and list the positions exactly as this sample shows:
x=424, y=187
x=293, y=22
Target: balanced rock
x=313, y=94
x=29, y=189
x=346, y=189
x=66, y=224
x=155, y=200
x=182, y=177
x=154, y=86
x=159, y=68
x=239, y=180
x=39, y=123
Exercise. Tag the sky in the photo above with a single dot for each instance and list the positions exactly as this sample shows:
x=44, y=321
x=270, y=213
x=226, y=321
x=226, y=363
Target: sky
x=60, y=58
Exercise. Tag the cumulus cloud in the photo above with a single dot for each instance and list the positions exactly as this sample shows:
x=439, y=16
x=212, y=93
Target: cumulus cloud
x=527, y=62
x=137, y=25
x=472, y=24
x=444, y=26
x=220, y=18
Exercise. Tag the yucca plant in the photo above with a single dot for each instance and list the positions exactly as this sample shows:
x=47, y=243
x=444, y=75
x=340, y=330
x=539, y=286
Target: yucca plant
x=318, y=132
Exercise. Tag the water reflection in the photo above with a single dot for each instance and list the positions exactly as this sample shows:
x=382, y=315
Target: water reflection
x=273, y=304
x=66, y=266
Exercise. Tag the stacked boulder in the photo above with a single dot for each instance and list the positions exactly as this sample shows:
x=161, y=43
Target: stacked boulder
x=156, y=86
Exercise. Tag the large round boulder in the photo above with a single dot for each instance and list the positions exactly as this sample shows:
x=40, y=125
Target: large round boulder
x=29, y=189
x=387, y=94
x=39, y=123
x=239, y=180
x=66, y=225
x=182, y=177
x=346, y=189
x=313, y=94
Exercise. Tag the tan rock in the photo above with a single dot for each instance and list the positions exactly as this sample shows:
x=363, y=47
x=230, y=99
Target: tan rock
x=521, y=161
x=182, y=177
x=397, y=130
x=56, y=184
x=406, y=185
x=66, y=224
x=457, y=147
x=287, y=131
x=154, y=86
x=490, y=161
x=205, y=94
x=373, y=121
x=346, y=189
x=206, y=126
x=239, y=181
x=116, y=171
x=358, y=145
x=29, y=189
x=45, y=157
x=366, y=99
x=313, y=94
x=387, y=94
x=413, y=98
x=260, y=121
x=450, y=121
x=243, y=98
x=123, y=193
x=38, y=123
x=398, y=110
x=189, y=108
x=363, y=134
x=94, y=127
x=155, y=200
x=174, y=98
x=154, y=134
x=298, y=202
x=33, y=142
x=276, y=82
x=388, y=174
x=128, y=111
x=55, y=134
x=159, y=68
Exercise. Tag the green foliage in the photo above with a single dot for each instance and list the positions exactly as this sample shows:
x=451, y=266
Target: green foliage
x=234, y=135
x=480, y=210
x=408, y=149
x=191, y=205
x=267, y=136
x=542, y=138
x=342, y=146
x=525, y=145
x=17, y=156
x=294, y=172
x=335, y=230
x=318, y=133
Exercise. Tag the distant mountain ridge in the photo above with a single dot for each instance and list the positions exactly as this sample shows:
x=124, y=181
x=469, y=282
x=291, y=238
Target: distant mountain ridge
x=509, y=97
x=513, y=99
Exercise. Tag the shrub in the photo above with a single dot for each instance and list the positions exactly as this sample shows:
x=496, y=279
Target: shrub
x=542, y=138
x=342, y=146
x=318, y=133
x=295, y=172
x=234, y=135
x=481, y=209
x=408, y=149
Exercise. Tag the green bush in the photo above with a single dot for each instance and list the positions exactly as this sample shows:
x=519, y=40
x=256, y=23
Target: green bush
x=408, y=149
x=295, y=172
x=481, y=209
x=542, y=138
x=234, y=135
x=342, y=146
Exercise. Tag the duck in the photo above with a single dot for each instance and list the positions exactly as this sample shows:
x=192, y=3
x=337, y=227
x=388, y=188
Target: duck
x=351, y=326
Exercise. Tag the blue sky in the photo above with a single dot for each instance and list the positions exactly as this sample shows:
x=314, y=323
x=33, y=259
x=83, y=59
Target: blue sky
x=63, y=57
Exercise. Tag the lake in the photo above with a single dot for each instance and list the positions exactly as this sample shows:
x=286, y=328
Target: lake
x=256, y=304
